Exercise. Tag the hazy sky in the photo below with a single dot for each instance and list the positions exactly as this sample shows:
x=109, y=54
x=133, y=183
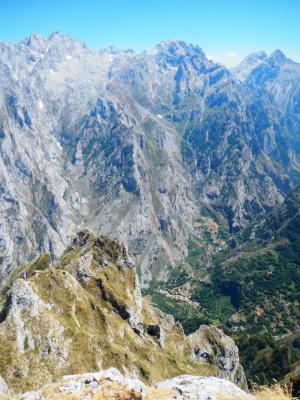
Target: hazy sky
x=227, y=30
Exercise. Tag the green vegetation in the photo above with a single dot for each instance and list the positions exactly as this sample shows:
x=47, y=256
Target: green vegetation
x=189, y=317
x=253, y=292
x=195, y=251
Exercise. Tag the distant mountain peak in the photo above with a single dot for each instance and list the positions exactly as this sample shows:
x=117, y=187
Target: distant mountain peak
x=180, y=47
x=278, y=56
x=35, y=39
x=264, y=67
x=255, y=57
x=57, y=35
x=41, y=42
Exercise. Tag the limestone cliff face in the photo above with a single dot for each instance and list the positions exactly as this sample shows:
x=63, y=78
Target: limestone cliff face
x=134, y=145
x=86, y=313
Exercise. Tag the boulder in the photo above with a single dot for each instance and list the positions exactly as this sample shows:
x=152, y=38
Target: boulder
x=112, y=385
x=186, y=387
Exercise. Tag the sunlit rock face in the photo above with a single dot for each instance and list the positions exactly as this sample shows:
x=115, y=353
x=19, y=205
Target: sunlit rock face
x=210, y=344
x=112, y=385
x=136, y=146
x=3, y=387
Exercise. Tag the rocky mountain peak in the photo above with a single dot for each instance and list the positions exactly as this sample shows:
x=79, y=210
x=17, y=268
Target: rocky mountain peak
x=253, y=58
x=35, y=40
x=278, y=56
x=59, y=35
x=54, y=36
x=179, y=47
x=175, y=52
x=112, y=250
x=256, y=58
x=61, y=39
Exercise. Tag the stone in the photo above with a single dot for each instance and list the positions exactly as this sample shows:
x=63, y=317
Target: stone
x=210, y=344
x=187, y=387
x=112, y=385
x=3, y=387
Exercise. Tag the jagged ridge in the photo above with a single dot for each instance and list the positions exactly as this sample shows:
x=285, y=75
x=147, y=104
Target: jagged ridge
x=86, y=313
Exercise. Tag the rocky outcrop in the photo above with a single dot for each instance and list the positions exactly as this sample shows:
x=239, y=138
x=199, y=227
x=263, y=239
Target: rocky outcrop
x=106, y=385
x=210, y=344
x=3, y=387
x=87, y=313
x=187, y=387
x=112, y=385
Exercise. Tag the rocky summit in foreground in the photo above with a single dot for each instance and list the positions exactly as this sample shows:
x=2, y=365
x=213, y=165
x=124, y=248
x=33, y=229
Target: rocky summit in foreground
x=87, y=314
x=111, y=385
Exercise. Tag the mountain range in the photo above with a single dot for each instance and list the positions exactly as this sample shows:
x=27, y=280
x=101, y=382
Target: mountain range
x=155, y=148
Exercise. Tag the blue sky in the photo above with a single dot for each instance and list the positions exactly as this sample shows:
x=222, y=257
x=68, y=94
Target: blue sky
x=227, y=30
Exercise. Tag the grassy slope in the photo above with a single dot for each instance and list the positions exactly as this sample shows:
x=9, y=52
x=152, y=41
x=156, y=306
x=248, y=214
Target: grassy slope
x=82, y=323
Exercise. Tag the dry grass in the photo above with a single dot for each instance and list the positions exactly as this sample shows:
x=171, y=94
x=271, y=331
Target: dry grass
x=275, y=392
x=161, y=393
x=115, y=391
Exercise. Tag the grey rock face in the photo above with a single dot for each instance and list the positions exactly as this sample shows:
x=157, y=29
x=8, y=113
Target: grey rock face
x=210, y=344
x=87, y=384
x=3, y=387
x=22, y=306
x=182, y=387
x=132, y=145
x=201, y=388
x=22, y=297
x=277, y=77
